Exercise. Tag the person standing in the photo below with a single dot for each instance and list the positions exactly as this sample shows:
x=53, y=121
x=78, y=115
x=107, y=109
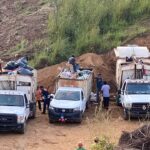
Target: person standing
x=39, y=97
x=46, y=99
x=99, y=83
x=72, y=61
x=105, y=91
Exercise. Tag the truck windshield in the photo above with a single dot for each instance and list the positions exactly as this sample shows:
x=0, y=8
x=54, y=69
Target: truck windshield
x=67, y=95
x=138, y=88
x=11, y=100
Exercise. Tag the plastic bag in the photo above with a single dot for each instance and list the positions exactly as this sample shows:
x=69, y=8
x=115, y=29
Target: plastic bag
x=24, y=71
x=11, y=65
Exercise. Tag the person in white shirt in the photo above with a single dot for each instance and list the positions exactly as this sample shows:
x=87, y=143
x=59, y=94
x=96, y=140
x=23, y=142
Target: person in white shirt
x=105, y=91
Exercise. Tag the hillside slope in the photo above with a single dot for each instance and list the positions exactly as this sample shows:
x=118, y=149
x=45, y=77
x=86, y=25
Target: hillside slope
x=26, y=29
x=104, y=64
x=21, y=23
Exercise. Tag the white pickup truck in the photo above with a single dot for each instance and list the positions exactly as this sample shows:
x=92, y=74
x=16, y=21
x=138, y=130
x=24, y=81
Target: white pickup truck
x=17, y=100
x=71, y=97
x=133, y=80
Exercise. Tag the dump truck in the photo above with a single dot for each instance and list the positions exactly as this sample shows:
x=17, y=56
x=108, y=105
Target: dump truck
x=71, y=97
x=17, y=100
x=133, y=80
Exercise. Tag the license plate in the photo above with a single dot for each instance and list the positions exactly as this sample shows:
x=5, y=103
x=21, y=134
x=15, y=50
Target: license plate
x=63, y=110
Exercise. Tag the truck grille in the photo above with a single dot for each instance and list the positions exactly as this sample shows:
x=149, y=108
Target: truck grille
x=141, y=107
x=60, y=110
x=8, y=119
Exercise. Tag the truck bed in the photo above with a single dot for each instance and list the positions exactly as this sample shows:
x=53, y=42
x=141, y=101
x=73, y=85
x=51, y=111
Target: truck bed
x=83, y=81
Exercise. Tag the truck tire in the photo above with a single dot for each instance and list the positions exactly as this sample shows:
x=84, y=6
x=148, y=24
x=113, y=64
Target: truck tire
x=87, y=104
x=23, y=128
x=125, y=115
x=33, y=115
x=51, y=120
x=80, y=119
x=33, y=109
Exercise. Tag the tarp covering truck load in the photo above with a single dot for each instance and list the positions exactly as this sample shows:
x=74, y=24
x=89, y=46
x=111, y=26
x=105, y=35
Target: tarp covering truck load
x=17, y=99
x=133, y=80
x=71, y=97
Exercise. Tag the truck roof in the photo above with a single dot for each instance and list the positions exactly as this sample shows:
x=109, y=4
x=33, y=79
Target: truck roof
x=70, y=88
x=11, y=92
x=129, y=51
x=137, y=81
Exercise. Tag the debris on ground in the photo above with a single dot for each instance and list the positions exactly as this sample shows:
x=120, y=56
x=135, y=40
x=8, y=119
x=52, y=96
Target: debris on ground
x=136, y=140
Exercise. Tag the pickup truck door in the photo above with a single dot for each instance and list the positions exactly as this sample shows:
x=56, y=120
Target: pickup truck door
x=122, y=92
x=83, y=101
x=27, y=105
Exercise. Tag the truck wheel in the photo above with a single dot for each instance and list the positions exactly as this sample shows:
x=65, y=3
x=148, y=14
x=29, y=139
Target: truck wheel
x=23, y=128
x=87, y=105
x=33, y=115
x=125, y=115
x=51, y=120
x=80, y=119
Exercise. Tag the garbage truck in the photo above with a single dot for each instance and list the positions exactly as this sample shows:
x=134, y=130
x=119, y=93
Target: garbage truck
x=72, y=96
x=133, y=80
x=17, y=100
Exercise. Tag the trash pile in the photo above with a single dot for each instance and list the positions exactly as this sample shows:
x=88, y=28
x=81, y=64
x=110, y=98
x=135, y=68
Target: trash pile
x=81, y=74
x=20, y=67
x=136, y=140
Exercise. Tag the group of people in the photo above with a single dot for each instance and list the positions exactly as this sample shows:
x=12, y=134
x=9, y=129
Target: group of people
x=42, y=95
x=102, y=86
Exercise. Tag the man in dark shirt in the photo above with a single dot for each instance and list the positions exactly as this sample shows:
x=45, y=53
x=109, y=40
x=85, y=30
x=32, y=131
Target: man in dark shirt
x=99, y=83
x=72, y=61
x=45, y=94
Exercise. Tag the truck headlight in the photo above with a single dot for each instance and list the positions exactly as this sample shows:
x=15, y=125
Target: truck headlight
x=77, y=109
x=20, y=119
x=128, y=105
x=51, y=107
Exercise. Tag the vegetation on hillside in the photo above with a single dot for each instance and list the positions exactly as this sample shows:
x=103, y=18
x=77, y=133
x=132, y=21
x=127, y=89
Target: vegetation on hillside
x=79, y=26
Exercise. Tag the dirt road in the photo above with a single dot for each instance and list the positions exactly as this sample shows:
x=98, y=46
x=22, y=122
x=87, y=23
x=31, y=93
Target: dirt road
x=41, y=135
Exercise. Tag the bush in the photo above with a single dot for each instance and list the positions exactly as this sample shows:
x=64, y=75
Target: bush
x=103, y=144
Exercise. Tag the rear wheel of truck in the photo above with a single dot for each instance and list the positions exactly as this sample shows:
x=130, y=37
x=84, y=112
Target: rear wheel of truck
x=125, y=115
x=87, y=104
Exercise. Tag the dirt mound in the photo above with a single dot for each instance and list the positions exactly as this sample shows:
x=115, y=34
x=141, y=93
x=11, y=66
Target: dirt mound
x=99, y=64
x=138, y=139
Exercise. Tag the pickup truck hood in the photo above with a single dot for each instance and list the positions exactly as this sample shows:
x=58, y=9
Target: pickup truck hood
x=136, y=98
x=11, y=110
x=65, y=104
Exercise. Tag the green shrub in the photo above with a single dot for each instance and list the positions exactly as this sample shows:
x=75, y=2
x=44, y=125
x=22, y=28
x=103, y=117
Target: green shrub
x=103, y=144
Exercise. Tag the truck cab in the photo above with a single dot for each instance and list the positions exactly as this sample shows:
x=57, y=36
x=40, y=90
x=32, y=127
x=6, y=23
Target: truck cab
x=14, y=110
x=135, y=98
x=68, y=103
